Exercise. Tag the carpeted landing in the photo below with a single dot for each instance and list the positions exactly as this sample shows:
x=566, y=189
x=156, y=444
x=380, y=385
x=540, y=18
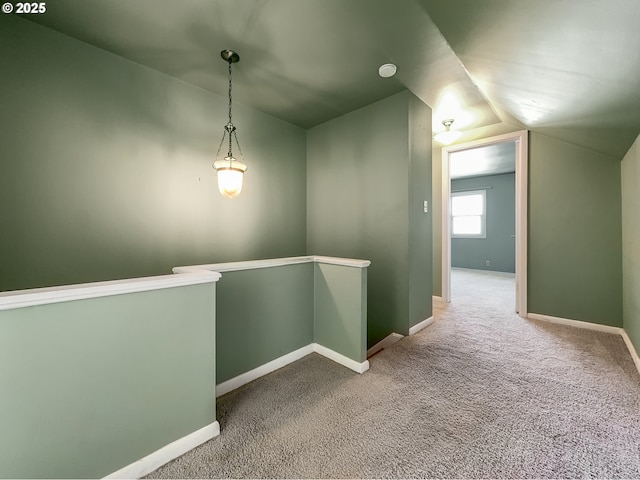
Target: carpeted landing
x=481, y=393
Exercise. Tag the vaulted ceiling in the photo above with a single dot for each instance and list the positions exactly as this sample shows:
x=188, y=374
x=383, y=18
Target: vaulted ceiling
x=566, y=68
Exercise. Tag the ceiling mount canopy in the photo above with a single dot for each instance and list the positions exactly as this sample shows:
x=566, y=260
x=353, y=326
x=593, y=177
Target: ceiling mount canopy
x=230, y=170
x=447, y=136
x=230, y=56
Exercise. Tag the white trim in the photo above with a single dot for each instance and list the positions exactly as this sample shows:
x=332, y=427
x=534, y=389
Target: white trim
x=341, y=359
x=271, y=262
x=445, y=233
x=346, y=262
x=421, y=326
x=189, y=275
x=575, y=323
x=272, y=366
x=632, y=349
x=592, y=326
x=246, y=265
x=67, y=293
x=155, y=460
x=522, y=227
x=386, y=342
x=437, y=299
x=521, y=140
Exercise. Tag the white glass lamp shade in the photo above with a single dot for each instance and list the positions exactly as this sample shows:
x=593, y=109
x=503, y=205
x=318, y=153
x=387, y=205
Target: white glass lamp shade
x=230, y=175
x=447, y=137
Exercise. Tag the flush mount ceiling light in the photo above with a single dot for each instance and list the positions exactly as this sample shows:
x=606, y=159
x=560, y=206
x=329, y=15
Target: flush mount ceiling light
x=447, y=136
x=230, y=171
x=387, y=70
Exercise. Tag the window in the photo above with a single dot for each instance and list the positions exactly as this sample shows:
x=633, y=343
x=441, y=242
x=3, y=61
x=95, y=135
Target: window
x=468, y=210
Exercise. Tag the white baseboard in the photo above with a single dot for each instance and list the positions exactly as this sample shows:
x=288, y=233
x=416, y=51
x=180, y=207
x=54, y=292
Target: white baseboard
x=437, y=299
x=392, y=338
x=341, y=359
x=575, y=323
x=386, y=342
x=272, y=366
x=632, y=349
x=155, y=460
x=420, y=326
x=592, y=326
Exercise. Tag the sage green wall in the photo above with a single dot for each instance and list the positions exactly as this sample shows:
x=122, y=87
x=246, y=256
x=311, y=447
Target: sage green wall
x=265, y=313
x=262, y=314
x=420, y=222
x=358, y=193
x=574, y=242
x=499, y=247
x=575, y=238
x=340, y=297
x=91, y=386
x=631, y=243
x=105, y=170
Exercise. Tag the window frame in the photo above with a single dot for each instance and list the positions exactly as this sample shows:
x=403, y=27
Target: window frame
x=483, y=216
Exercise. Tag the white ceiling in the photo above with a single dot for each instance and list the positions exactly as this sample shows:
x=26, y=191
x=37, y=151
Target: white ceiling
x=569, y=69
x=566, y=68
x=481, y=161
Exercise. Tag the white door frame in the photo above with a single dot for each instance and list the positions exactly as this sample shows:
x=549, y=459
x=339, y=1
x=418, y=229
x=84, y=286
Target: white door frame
x=522, y=153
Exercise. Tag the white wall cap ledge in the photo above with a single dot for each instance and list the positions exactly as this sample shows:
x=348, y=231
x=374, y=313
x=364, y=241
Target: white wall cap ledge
x=271, y=262
x=66, y=293
x=347, y=262
x=188, y=275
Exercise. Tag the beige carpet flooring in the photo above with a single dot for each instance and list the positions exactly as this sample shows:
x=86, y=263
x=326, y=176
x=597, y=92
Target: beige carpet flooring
x=481, y=393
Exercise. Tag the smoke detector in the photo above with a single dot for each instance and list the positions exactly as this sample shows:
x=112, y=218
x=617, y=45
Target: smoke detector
x=387, y=70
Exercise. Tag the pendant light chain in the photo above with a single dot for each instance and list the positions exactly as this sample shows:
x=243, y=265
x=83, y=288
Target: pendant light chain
x=233, y=128
x=230, y=97
x=230, y=127
x=238, y=144
x=221, y=142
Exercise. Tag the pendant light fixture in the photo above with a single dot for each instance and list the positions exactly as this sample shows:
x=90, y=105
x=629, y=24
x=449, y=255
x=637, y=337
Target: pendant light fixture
x=448, y=136
x=230, y=170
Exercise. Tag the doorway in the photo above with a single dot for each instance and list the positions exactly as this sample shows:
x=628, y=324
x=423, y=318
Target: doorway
x=521, y=161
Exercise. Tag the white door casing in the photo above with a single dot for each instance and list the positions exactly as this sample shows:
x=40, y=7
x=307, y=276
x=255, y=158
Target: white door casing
x=521, y=140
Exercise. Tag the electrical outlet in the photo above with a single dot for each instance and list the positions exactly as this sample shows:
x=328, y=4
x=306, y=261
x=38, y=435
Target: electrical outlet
x=487, y=263
x=426, y=206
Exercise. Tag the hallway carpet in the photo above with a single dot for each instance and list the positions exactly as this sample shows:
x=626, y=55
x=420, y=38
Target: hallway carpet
x=481, y=393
